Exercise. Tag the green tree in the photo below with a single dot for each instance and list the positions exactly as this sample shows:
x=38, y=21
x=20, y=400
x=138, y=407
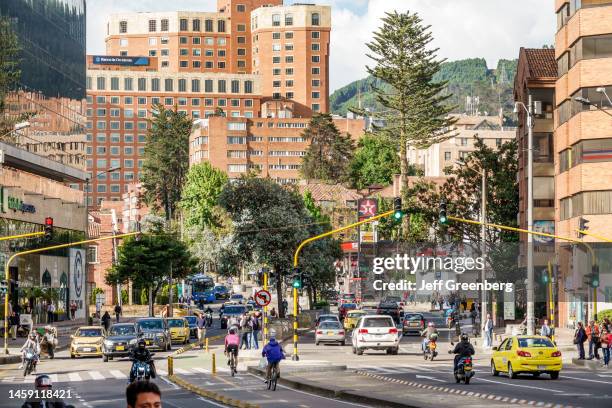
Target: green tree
x=202, y=188
x=146, y=261
x=415, y=110
x=329, y=152
x=375, y=162
x=166, y=159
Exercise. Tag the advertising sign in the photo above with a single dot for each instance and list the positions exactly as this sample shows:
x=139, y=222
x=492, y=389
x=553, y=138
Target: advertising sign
x=367, y=207
x=77, y=280
x=509, y=306
x=124, y=61
x=547, y=227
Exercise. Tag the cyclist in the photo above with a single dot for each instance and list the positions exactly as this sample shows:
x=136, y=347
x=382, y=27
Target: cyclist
x=232, y=341
x=274, y=352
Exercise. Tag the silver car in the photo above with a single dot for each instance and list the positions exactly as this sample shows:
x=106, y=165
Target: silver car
x=330, y=332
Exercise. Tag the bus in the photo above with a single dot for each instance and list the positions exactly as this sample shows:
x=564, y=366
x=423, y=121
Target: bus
x=201, y=288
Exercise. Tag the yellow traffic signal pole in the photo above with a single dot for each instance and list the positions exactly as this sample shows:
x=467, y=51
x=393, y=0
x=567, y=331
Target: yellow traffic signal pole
x=37, y=250
x=28, y=235
x=551, y=303
x=584, y=232
x=296, y=256
x=265, y=309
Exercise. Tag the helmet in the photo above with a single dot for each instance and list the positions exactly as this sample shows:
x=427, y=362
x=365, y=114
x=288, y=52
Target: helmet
x=32, y=335
x=232, y=330
x=431, y=324
x=141, y=344
x=43, y=381
x=464, y=337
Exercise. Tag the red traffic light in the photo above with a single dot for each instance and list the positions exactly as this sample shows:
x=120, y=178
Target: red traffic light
x=49, y=221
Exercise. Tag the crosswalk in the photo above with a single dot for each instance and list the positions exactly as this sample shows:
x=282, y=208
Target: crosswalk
x=97, y=375
x=390, y=369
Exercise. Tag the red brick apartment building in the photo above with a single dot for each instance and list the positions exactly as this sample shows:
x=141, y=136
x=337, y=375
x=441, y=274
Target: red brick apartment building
x=253, y=59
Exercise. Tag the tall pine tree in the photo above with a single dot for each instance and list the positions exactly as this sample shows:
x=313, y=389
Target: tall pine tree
x=330, y=152
x=415, y=109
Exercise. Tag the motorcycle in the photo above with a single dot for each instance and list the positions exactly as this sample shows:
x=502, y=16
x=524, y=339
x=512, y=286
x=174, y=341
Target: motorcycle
x=209, y=319
x=430, y=350
x=29, y=362
x=142, y=370
x=464, y=371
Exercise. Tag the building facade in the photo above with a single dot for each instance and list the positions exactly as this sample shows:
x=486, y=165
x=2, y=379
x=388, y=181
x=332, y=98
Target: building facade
x=437, y=157
x=583, y=141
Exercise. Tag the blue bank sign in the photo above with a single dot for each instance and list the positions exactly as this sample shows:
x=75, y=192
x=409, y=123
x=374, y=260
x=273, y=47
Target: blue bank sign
x=14, y=203
x=127, y=61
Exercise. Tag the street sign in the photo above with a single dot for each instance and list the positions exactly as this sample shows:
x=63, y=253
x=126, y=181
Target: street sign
x=263, y=298
x=366, y=208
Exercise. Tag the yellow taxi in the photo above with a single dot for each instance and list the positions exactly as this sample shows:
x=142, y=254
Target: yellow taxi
x=87, y=341
x=526, y=355
x=352, y=316
x=179, y=329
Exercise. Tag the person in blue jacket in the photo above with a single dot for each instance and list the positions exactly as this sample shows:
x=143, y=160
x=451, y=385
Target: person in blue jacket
x=274, y=353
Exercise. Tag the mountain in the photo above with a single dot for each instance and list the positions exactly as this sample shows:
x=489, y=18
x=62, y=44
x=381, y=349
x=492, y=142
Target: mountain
x=474, y=86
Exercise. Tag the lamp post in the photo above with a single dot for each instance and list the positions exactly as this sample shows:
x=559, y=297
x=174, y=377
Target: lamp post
x=531, y=109
x=17, y=127
x=587, y=102
x=87, y=180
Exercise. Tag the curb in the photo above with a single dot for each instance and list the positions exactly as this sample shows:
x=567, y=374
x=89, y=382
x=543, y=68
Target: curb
x=10, y=359
x=344, y=395
x=498, y=398
x=210, y=394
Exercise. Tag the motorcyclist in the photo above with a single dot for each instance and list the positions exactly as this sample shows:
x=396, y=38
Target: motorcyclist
x=50, y=340
x=42, y=384
x=31, y=343
x=140, y=353
x=208, y=313
x=462, y=349
x=428, y=333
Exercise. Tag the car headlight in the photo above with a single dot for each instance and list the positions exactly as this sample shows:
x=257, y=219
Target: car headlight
x=108, y=344
x=133, y=342
x=159, y=336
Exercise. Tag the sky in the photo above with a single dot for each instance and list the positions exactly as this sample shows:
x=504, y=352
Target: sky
x=492, y=29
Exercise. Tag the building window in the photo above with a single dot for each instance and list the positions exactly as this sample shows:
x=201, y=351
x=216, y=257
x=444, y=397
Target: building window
x=123, y=27
x=101, y=83
x=288, y=35
x=164, y=24
x=315, y=35
x=276, y=47
x=142, y=84
x=168, y=85
x=155, y=84
x=208, y=85
x=288, y=47
x=221, y=86
x=195, y=24
x=241, y=28
x=123, y=42
x=208, y=25
x=208, y=64
x=248, y=87
x=183, y=22
x=447, y=156
x=315, y=46
x=220, y=26
x=316, y=59
x=236, y=140
x=235, y=86
x=241, y=8
x=183, y=40
x=152, y=26
x=195, y=85
x=114, y=84
x=288, y=71
x=316, y=71
x=241, y=64
x=152, y=53
x=288, y=19
x=316, y=107
x=316, y=83
x=196, y=52
x=276, y=71
x=276, y=84
x=221, y=53
x=236, y=126
x=182, y=85
x=289, y=95
x=241, y=52
x=289, y=83
x=164, y=40
x=276, y=20
x=276, y=60
x=289, y=59
x=315, y=19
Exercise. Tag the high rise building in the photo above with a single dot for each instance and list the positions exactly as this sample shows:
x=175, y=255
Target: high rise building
x=583, y=144
x=249, y=59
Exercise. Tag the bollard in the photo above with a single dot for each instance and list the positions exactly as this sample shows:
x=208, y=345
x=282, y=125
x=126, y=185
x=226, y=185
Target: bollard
x=214, y=364
x=206, y=342
x=170, y=365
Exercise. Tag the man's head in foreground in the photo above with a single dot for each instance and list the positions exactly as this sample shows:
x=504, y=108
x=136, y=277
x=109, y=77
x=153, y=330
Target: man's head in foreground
x=143, y=394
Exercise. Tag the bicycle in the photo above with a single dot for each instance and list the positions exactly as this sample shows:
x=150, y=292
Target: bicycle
x=233, y=363
x=273, y=377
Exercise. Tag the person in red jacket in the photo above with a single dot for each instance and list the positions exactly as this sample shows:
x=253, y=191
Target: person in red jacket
x=592, y=332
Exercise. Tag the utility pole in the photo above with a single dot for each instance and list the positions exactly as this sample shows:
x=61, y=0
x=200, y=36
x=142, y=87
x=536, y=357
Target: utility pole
x=483, y=248
x=530, y=274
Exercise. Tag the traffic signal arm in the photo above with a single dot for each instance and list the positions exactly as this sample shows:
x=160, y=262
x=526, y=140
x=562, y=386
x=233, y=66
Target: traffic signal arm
x=28, y=235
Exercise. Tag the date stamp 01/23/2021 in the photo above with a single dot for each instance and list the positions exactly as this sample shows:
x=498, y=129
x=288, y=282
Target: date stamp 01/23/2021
x=22, y=394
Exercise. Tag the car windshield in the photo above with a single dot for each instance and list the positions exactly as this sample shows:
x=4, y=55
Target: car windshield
x=237, y=297
x=234, y=310
x=220, y=288
x=191, y=319
x=349, y=306
x=122, y=330
x=328, y=318
x=378, y=322
x=151, y=324
x=176, y=323
x=348, y=296
x=330, y=325
x=89, y=333
x=393, y=299
x=356, y=314
x=414, y=317
x=534, y=342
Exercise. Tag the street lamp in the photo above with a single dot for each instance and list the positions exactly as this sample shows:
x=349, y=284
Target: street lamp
x=17, y=127
x=531, y=109
x=112, y=169
x=587, y=102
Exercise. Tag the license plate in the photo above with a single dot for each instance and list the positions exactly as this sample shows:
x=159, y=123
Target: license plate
x=330, y=333
x=120, y=348
x=414, y=324
x=467, y=368
x=542, y=367
x=86, y=349
x=148, y=342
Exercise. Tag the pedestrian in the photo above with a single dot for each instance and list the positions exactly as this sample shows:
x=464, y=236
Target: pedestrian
x=73, y=309
x=106, y=319
x=256, y=326
x=488, y=332
x=118, y=312
x=285, y=306
x=592, y=332
x=273, y=312
x=50, y=312
x=606, y=345
x=201, y=325
x=546, y=330
x=246, y=330
x=580, y=337
x=98, y=309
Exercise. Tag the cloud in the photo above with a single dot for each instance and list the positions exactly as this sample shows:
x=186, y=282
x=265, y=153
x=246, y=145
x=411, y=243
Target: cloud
x=493, y=29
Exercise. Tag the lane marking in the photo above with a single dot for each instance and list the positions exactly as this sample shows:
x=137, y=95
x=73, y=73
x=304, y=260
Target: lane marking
x=170, y=383
x=118, y=374
x=183, y=371
x=54, y=378
x=96, y=375
x=201, y=370
x=519, y=385
x=161, y=372
x=74, y=377
x=211, y=402
x=430, y=378
x=586, y=379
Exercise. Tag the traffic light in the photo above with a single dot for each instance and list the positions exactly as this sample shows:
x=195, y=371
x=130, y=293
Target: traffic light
x=545, y=277
x=397, y=207
x=297, y=278
x=48, y=228
x=443, y=218
x=595, y=276
x=582, y=226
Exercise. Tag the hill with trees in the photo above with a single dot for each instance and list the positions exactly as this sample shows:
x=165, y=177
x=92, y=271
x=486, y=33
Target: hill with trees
x=474, y=86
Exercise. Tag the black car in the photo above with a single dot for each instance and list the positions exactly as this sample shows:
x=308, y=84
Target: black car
x=413, y=323
x=193, y=328
x=231, y=310
x=120, y=339
x=155, y=332
x=391, y=309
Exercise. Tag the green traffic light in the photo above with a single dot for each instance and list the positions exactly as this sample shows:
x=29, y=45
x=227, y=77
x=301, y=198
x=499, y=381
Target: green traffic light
x=595, y=282
x=443, y=219
x=297, y=284
x=398, y=215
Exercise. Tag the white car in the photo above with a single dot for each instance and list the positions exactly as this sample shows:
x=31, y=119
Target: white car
x=375, y=332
